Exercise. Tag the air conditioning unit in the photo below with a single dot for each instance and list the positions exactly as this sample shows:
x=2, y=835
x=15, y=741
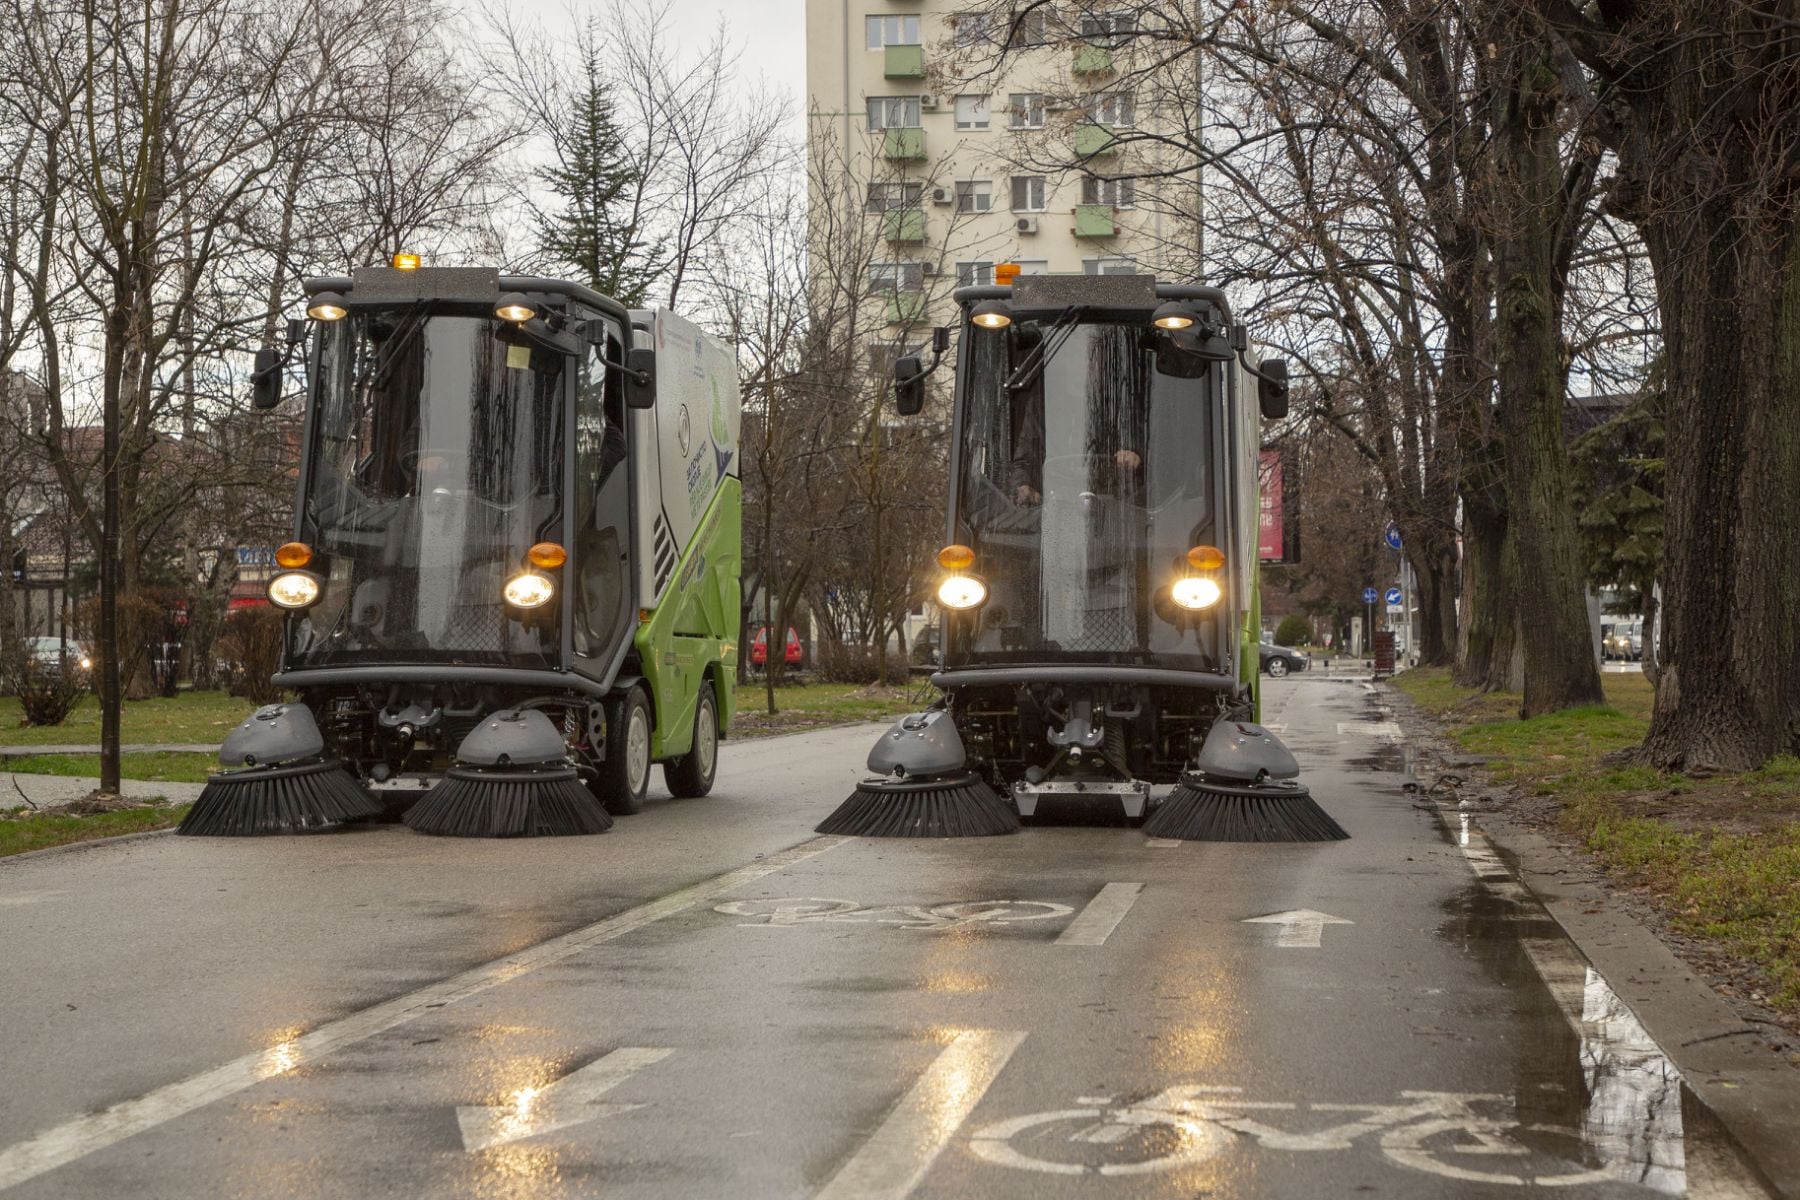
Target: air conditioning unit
x=926, y=268
x=1026, y=224
x=941, y=195
x=927, y=101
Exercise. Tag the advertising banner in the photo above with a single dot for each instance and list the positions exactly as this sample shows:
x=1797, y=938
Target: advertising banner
x=1269, y=526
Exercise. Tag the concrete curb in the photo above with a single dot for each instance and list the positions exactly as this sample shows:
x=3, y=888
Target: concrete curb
x=1724, y=1060
x=88, y=844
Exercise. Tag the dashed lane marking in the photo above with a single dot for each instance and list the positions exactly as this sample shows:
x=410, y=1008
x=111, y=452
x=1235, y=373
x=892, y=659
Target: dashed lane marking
x=96, y=1131
x=895, y=1158
x=1101, y=916
x=1163, y=843
x=572, y=1100
x=1380, y=729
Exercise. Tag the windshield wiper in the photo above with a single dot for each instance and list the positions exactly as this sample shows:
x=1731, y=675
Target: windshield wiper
x=1027, y=372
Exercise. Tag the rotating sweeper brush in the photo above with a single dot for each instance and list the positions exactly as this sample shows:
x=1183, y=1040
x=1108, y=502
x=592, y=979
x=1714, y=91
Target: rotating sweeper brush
x=924, y=788
x=284, y=783
x=1243, y=789
x=512, y=778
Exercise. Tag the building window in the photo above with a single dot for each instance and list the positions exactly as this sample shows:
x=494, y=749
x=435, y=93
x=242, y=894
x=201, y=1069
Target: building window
x=1028, y=30
x=1120, y=193
x=1033, y=266
x=892, y=31
x=893, y=112
x=886, y=197
x=1108, y=25
x=1027, y=109
x=971, y=29
x=1109, y=266
x=882, y=355
x=971, y=112
x=974, y=195
x=1028, y=193
x=1117, y=109
x=970, y=274
x=886, y=278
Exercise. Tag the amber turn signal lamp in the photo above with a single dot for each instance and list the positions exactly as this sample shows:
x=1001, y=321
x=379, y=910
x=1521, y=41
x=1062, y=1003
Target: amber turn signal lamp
x=1005, y=273
x=406, y=262
x=1206, y=558
x=956, y=558
x=547, y=555
x=293, y=555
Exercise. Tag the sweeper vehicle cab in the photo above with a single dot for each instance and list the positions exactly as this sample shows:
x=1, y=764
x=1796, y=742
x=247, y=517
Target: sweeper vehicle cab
x=513, y=582
x=1099, y=581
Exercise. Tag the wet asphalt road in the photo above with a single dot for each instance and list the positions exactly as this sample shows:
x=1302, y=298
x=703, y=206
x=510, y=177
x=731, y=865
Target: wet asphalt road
x=712, y=1001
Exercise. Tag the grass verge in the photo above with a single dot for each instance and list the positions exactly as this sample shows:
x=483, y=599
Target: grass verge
x=1720, y=855
x=26, y=830
x=818, y=706
x=159, y=767
x=190, y=717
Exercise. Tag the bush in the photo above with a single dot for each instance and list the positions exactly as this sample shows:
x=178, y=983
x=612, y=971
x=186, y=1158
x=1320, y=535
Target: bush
x=46, y=694
x=250, y=647
x=1294, y=630
x=842, y=663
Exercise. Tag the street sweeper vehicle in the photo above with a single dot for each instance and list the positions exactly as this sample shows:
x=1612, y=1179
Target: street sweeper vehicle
x=1099, y=585
x=513, y=584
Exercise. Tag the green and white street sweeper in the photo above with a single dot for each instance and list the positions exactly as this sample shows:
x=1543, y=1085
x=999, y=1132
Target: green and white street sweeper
x=1099, y=585
x=513, y=584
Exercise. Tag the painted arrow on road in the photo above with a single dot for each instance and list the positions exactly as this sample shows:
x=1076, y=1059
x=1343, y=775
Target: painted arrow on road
x=571, y=1100
x=1302, y=927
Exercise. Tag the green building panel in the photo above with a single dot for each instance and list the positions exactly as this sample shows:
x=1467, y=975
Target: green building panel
x=1094, y=221
x=904, y=225
x=905, y=62
x=903, y=144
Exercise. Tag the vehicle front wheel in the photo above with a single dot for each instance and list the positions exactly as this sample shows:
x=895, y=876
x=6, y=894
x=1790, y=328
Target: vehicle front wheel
x=1277, y=668
x=625, y=774
x=692, y=774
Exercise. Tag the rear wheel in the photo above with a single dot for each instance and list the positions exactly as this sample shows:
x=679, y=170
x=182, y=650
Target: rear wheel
x=692, y=774
x=625, y=774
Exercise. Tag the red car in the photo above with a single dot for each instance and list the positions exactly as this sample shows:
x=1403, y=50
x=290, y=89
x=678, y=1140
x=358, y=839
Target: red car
x=759, y=649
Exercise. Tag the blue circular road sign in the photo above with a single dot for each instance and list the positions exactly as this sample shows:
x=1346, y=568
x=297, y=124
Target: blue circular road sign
x=1392, y=536
x=1394, y=596
x=1370, y=595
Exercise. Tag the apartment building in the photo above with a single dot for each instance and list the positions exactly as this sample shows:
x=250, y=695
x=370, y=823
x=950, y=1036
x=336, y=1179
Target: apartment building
x=963, y=151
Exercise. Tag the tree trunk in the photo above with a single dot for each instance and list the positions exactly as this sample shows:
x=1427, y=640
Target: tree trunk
x=1490, y=612
x=1560, y=671
x=1729, y=694
x=1652, y=670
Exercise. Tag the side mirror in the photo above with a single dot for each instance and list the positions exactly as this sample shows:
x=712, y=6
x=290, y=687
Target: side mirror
x=909, y=385
x=640, y=378
x=1272, y=393
x=265, y=379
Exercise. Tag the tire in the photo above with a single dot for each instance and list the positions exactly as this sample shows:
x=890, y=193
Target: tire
x=1277, y=668
x=691, y=776
x=625, y=773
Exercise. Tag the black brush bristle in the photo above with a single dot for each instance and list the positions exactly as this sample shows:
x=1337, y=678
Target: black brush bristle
x=509, y=803
x=274, y=800
x=963, y=806
x=1198, y=811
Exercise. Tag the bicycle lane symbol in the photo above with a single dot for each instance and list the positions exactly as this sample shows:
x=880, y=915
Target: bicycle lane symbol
x=1444, y=1133
x=958, y=915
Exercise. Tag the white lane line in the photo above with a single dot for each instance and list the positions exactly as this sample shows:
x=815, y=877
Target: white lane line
x=571, y=1100
x=1380, y=729
x=1163, y=843
x=893, y=1161
x=96, y=1131
x=1095, y=923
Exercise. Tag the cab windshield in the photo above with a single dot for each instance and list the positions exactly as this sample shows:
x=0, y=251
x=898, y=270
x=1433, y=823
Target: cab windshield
x=436, y=462
x=1081, y=487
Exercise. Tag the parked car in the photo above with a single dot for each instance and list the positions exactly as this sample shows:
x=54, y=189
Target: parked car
x=759, y=648
x=1279, y=660
x=51, y=654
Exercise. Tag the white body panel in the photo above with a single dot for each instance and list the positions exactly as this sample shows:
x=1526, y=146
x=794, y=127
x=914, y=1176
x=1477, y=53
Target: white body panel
x=684, y=446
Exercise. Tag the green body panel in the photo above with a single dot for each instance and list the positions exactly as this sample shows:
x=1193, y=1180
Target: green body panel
x=1250, y=657
x=696, y=626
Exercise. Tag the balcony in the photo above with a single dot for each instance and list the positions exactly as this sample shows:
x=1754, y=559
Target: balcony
x=904, y=62
x=1094, y=221
x=1093, y=60
x=903, y=144
x=906, y=308
x=903, y=225
x=1093, y=140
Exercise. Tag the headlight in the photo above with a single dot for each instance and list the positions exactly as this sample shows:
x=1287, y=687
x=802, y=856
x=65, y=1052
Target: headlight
x=1197, y=593
x=295, y=589
x=529, y=590
x=87, y=664
x=961, y=591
